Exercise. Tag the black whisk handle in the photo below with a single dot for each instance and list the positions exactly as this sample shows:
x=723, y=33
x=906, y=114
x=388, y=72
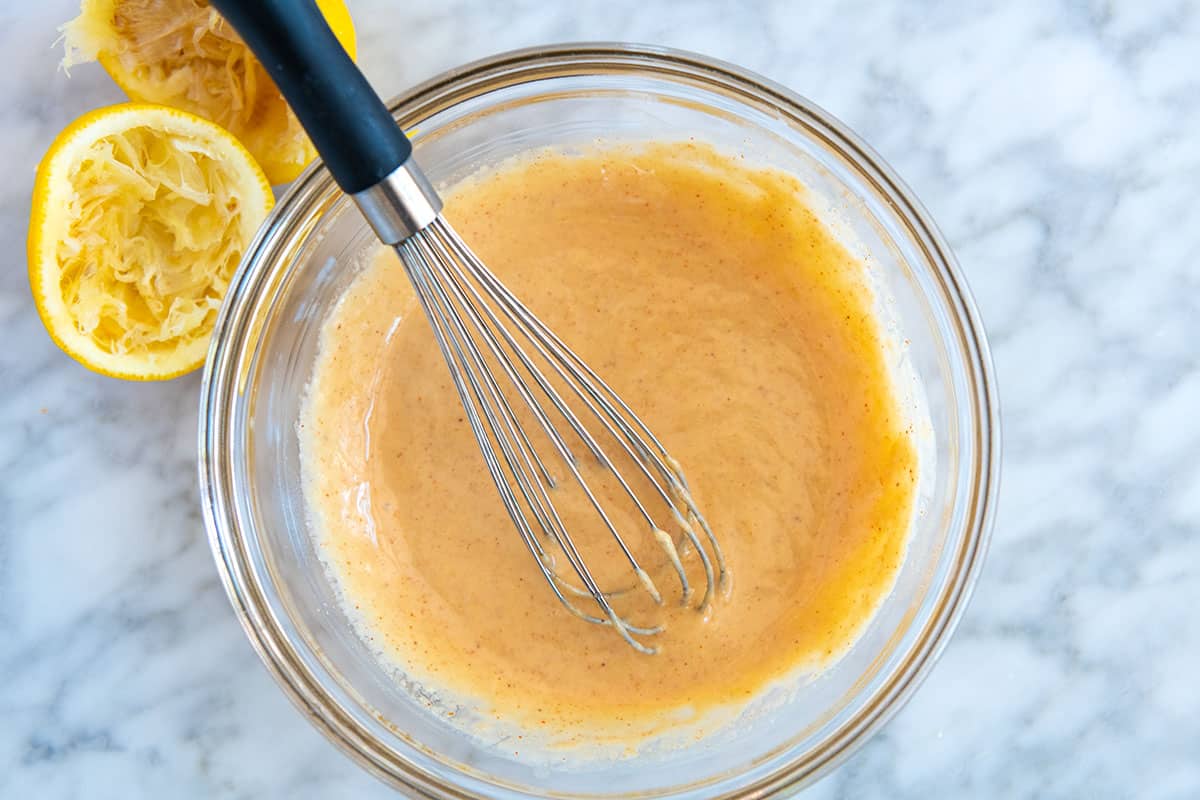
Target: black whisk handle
x=349, y=125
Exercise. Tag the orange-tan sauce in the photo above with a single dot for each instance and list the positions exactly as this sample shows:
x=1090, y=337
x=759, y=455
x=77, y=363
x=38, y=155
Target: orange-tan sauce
x=717, y=304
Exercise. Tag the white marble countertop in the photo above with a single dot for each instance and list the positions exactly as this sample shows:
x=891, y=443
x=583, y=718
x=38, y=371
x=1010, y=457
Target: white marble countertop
x=1058, y=146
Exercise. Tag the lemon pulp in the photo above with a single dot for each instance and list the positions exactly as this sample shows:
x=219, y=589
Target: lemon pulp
x=139, y=274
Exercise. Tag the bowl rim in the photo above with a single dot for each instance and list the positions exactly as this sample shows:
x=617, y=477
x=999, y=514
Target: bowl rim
x=223, y=374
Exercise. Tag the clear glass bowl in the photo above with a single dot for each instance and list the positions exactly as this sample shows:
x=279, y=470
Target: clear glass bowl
x=306, y=255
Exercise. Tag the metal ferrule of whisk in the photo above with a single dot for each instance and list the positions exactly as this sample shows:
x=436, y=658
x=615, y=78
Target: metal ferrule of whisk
x=510, y=370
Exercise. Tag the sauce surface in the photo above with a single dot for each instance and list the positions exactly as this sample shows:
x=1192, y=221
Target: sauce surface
x=717, y=305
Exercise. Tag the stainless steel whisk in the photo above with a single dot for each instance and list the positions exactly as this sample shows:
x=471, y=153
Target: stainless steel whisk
x=506, y=365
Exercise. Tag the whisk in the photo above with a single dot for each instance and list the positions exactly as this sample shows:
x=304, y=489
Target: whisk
x=518, y=381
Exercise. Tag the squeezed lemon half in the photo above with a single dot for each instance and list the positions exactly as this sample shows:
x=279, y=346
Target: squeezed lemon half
x=140, y=215
x=181, y=53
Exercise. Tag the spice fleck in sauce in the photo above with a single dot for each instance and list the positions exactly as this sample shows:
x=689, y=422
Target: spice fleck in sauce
x=719, y=307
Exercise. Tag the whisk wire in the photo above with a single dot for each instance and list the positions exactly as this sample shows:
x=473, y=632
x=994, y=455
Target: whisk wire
x=501, y=358
x=472, y=312
x=418, y=271
x=461, y=286
x=413, y=268
x=552, y=349
x=465, y=359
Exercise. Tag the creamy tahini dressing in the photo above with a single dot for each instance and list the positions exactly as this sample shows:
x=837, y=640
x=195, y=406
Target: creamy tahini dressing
x=715, y=302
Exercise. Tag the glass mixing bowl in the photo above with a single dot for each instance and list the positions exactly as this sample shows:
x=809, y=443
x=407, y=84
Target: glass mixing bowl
x=309, y=251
